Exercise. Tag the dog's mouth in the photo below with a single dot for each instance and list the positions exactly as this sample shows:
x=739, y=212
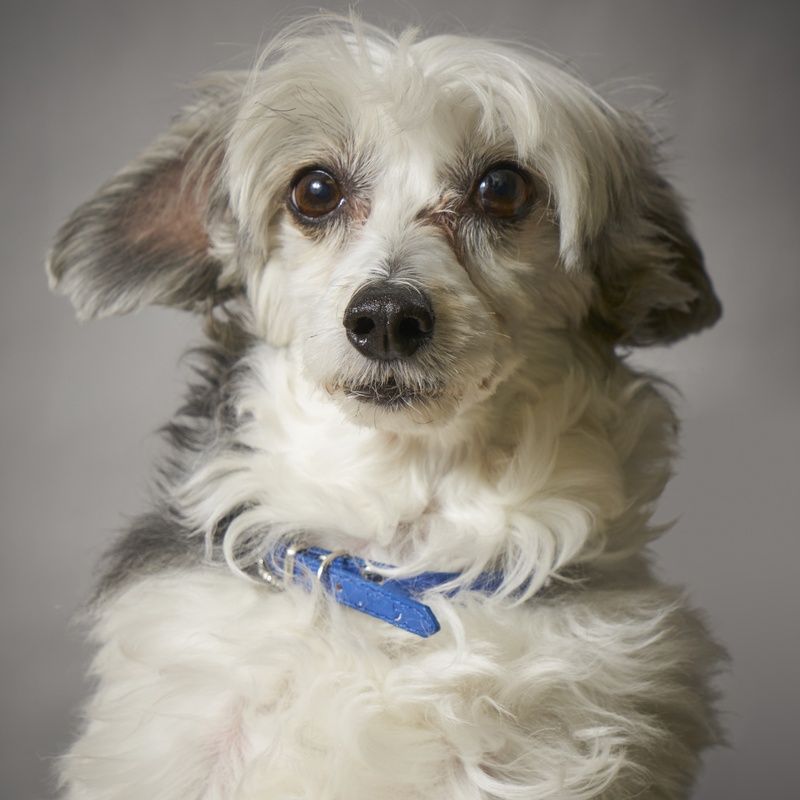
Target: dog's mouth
x=392, y=395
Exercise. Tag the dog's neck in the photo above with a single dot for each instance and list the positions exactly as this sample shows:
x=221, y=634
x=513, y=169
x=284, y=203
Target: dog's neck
x=538, y=477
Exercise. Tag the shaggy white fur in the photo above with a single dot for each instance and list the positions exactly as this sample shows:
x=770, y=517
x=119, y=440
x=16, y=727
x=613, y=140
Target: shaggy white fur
x=516, y=438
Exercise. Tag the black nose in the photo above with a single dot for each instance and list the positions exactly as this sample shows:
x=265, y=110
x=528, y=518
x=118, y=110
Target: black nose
x=388, y=322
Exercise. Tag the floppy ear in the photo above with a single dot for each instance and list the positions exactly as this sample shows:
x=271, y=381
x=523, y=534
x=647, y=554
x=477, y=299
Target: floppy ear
x=652, y=286
x=145, y=237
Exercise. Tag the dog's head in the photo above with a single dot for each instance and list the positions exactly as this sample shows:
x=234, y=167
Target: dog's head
x=407, y=215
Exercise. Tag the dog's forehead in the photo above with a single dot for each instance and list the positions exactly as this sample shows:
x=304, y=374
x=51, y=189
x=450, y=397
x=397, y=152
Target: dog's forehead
x=414, y=161
x=398, y=110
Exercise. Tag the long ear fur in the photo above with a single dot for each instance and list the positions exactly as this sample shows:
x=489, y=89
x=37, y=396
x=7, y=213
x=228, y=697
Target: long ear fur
x=146, y=236
x=652, y=287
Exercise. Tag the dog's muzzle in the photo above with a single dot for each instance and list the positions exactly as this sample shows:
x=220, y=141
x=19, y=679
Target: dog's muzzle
x=385, y=322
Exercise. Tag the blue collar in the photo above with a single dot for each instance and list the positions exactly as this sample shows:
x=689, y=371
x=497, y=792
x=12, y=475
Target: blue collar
x=354, y=583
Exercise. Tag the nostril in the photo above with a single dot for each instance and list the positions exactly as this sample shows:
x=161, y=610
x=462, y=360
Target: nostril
x=363, y=326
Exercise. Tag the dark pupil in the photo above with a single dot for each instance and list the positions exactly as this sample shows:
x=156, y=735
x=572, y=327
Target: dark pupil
x=502, y=192
x=320, y=190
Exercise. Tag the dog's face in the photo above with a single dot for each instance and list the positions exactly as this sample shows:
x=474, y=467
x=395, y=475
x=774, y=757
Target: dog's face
x=398, y=246
x=408, y=217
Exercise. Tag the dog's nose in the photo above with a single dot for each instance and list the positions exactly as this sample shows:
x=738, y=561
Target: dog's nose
x=386, y=322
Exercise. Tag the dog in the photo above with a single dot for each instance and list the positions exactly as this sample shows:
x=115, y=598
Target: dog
x=399, y=543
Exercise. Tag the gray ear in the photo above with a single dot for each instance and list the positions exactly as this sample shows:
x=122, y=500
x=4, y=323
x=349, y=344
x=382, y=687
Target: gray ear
x=145, y=236
x=652, y=286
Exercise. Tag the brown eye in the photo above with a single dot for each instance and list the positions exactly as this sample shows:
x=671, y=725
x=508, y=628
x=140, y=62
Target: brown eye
x=503, y=193
x=316, y=194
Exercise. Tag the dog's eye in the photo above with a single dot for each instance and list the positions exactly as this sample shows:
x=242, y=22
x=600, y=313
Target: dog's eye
x=503, y=192
x=316, y=193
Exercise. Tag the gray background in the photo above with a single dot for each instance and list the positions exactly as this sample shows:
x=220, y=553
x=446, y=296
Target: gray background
x=85, y=85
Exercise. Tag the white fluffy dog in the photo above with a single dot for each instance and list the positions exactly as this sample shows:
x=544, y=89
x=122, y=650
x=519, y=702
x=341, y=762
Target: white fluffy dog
x=399, y=550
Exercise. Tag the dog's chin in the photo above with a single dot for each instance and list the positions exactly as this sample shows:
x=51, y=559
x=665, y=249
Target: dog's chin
x=390, y=395
x=390, y=405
